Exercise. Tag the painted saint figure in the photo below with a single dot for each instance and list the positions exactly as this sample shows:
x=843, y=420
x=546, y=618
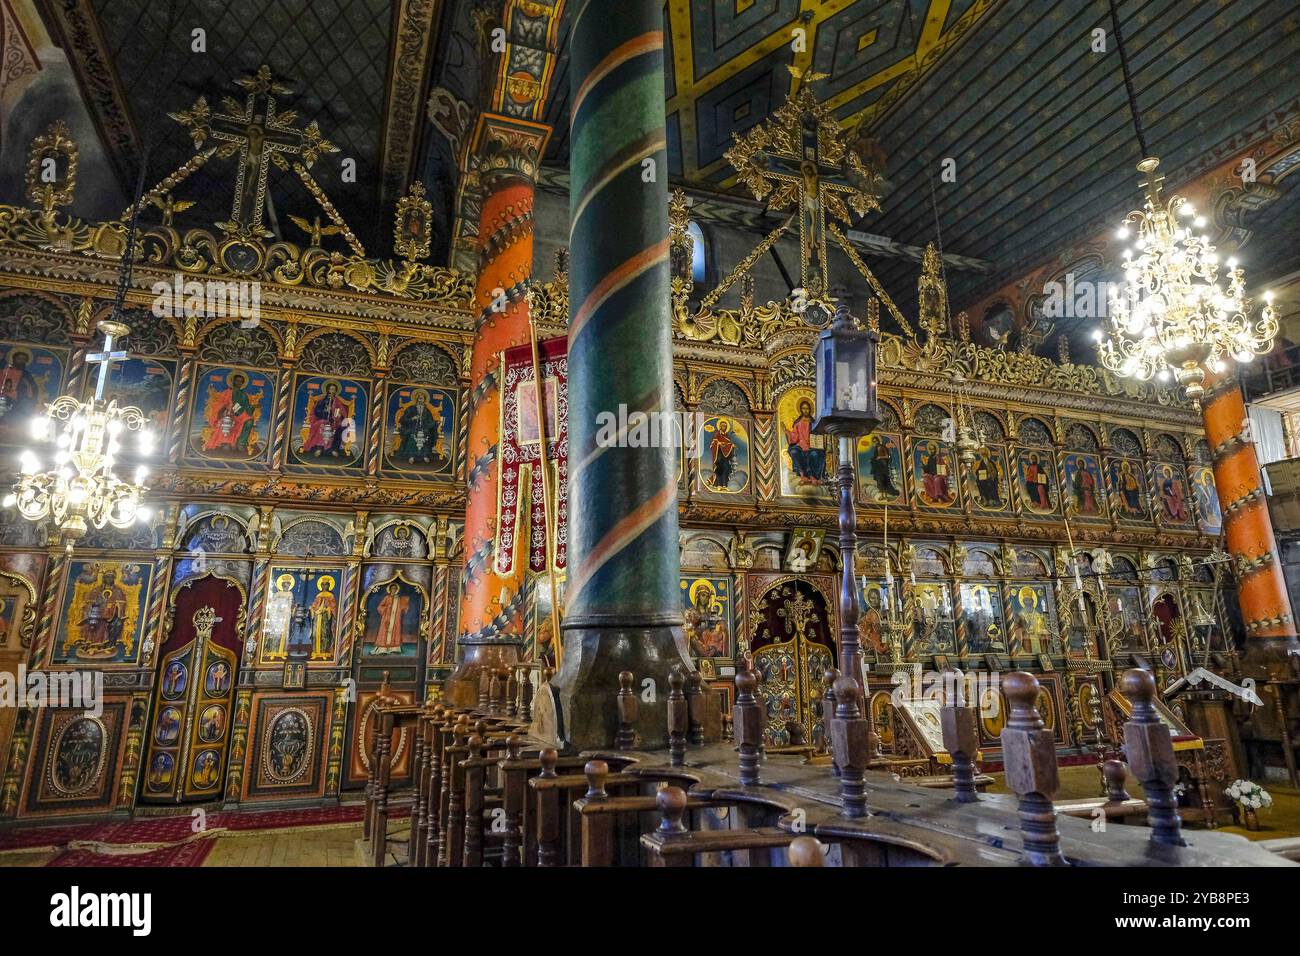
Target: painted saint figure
x=324, y=608
x=419, y=431
x=809, y=463
x=329, y=417
x=723, y=451
x=706, y=630
x=988, y=484
x=882, y=472
x=1038, y=484
x=1084, y=486
x=19, y=392
x=1130, y=489
x=392, y=607
x=101, y=627
x=1172, y=495
x=934, y=474
x=231, y=415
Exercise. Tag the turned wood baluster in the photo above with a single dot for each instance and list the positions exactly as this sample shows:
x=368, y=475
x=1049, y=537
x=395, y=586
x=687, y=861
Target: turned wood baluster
x=548, y=814
x=1115, y=773
x=678, y=717
x=597, y=841
x=437, y=797
x=379, y=828
x=525, y=693
x=484, y=690
x=695, y=702
x=512, y=693
x=848, y=731
x=829, y=677
x=415, y=840
x=475, y=778
x=453, y=830
x=1150, y=752
x=747, y=719
x=671, y=802
x=493, y=701
x=503, y=686
x=1029, y=757
x=961, y=738
x=512, y=799
x=625, y=739
x=806, y=851
x=433, y=777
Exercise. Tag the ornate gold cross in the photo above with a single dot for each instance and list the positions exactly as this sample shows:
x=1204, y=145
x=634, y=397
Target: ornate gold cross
x=801, y=157
x=258, y=132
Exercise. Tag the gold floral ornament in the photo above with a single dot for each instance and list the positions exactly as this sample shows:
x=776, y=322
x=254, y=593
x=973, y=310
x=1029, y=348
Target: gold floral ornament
x=52, y=169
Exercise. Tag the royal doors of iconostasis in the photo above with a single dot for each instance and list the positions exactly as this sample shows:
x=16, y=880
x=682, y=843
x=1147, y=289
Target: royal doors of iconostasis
x=198, y=669
x=792, y=644
x=388, y=662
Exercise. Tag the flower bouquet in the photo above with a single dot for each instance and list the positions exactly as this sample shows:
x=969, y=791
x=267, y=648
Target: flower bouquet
x=1248, y=798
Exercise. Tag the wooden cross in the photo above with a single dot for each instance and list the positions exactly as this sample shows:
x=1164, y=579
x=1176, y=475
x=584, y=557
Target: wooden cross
x=802, y=158
x=259, y=133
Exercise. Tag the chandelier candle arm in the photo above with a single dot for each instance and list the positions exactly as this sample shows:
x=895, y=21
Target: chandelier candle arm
x=82, y=490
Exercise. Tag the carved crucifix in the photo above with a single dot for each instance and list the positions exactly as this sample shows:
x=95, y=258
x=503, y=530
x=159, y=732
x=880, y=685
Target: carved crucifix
x=802, y=158
x=259, y=132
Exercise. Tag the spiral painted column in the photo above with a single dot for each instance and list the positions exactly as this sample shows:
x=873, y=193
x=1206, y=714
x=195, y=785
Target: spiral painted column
x=622, y=599
x=1261, y=585
x=492, y=631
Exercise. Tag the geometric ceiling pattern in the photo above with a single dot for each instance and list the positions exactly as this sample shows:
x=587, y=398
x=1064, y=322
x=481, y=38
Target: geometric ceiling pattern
x=1011, y=91
x=333, y=54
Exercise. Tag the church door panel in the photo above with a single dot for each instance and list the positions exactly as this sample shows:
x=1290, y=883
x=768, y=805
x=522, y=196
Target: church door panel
x=388, y=668
x=791, y=645
x=197, y=673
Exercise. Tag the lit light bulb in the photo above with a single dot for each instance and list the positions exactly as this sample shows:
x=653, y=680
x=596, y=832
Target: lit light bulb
x=10, y=500
x=1199, y=223
x=1186, y=209
x=145, y=514
x=141, y=474
x=1121, y=232
x=28, y=463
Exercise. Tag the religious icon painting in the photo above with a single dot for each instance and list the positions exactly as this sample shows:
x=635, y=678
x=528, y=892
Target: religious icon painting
x=1174, y=500
x=1032, y=625
x=933, y=631
x=231, y=422
x=420, y=430
x=30, y=376
x=723, y=444
x=302, y=615
x=1083, y=483
x=145, y=383
x=874, y=599
x=393, y=612
x=804, y=549
x=168, y=727
x=205, y=774
x=1208, y=514
x=1037, y=480
x=804, y=462
x=161, y=773
x=15, y=598
x=103, y=612
x=988, y=478
x=1128, y=491
x=329, y=423
x=526, y=403
x=706, y=606
x=880, y=468
x=981, y=619
x=212, y=723
x=934, y=479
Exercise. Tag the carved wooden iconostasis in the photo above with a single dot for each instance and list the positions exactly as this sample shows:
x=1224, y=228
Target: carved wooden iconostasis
x=304, y=558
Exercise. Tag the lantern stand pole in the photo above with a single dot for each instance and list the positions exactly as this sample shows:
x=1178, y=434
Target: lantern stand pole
x=850, y=658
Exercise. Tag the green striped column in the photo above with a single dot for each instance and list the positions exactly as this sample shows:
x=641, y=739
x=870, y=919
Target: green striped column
x=621, y=599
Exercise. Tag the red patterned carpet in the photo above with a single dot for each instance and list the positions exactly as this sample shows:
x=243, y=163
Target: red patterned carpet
x=164, y=841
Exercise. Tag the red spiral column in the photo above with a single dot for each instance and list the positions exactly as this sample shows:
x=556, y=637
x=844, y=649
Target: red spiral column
x=491, y=610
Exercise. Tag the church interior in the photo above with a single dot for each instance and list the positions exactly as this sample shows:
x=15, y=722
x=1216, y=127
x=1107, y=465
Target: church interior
x=694, y=433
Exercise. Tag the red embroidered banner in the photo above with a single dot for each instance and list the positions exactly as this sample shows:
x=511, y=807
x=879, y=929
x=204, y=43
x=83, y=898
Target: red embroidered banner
x=521, y=478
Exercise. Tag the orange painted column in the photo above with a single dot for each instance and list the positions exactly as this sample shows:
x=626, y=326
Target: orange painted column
x=1261, y=584
x=491, y=629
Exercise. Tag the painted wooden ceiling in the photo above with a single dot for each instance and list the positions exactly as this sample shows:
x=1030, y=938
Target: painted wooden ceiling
x=1012, y=91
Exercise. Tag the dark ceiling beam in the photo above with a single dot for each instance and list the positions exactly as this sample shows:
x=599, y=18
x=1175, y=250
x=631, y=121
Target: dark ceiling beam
x=409, y=74
x=76, y=29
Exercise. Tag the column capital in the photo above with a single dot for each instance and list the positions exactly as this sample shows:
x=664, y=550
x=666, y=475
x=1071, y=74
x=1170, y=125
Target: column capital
x=505, y=147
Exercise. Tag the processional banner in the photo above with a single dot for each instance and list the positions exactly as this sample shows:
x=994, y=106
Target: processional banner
x=519, y=491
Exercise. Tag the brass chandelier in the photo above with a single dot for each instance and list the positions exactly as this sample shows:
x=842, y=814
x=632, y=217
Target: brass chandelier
x=81, y=489
x=1173, y=315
